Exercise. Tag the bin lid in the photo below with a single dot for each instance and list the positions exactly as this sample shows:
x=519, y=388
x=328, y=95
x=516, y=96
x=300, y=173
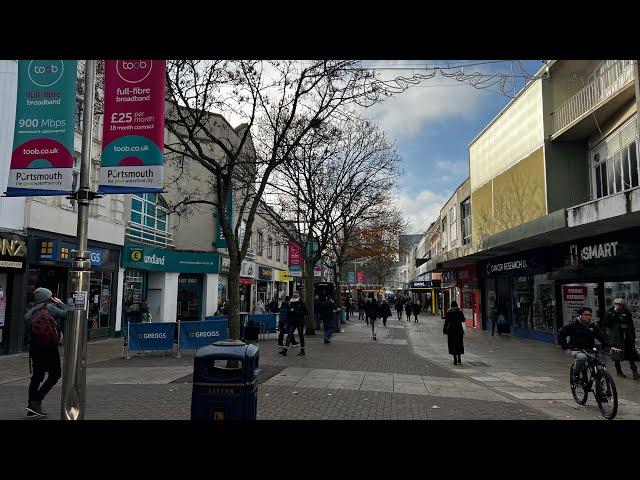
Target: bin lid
x=226, y=349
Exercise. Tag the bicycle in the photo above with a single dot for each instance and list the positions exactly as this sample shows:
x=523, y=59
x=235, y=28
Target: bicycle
x=605, y=388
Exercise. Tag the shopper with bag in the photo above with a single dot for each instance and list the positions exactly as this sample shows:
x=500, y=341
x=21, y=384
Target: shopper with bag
x=454, y=329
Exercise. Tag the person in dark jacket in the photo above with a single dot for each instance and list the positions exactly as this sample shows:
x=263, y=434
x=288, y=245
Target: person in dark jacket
x=296, y=320
x=399, y=309
x=417, y=308
x=348, y=305
x=327, y=308
x=622, y=335
x=45, y=358
x=407, y=309
x=372, y=310
x=316, y=311
x=452, y=328
x=385, y=312
x=582, y=334
x=283, y=324
x=361, y=313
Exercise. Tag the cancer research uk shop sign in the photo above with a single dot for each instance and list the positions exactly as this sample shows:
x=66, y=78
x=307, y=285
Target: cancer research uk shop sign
x=42, y=158
x=133, y=135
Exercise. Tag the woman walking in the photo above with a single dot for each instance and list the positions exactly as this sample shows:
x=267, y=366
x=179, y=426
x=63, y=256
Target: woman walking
x=399, y=309
x=455, y=333
x=417, y=308
x=385, y=312
x=407, y=308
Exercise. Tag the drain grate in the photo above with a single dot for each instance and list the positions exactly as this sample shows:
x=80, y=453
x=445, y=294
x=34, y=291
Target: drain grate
x=478, y=364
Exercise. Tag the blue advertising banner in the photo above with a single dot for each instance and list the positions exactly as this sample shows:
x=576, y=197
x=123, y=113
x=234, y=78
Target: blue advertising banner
x=151, y=336
x=269, y=320
x=221, y=242
x=351, y=277
x=197, y=334
x=42, y=156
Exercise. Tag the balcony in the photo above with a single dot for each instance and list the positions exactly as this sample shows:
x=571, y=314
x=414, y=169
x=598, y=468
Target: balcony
x=597, y=95
x=136, y=232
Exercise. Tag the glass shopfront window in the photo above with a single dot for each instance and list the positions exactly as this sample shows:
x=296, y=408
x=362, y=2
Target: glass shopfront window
x=533, y=302
x=522, y=301
x=630, y=293
x=578, y=295
x=100, y=299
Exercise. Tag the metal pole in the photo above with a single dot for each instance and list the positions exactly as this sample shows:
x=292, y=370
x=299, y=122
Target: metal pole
x=178, y=356
x=74, y=375
x=637, y=85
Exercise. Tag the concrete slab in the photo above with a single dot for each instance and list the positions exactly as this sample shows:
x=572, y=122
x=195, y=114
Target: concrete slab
x=410, y=388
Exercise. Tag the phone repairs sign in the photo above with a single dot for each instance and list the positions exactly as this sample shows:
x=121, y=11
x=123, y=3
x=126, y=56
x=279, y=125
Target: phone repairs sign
x=79, y=300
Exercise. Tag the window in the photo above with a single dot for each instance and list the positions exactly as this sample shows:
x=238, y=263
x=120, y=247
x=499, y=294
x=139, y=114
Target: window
x=259, y=240
x=465, y=213
x=277, y=252
x=285, y=259
x=270, y=247
x=443, y=236
x=149, y=214
x=452, y=224
x=615, y=161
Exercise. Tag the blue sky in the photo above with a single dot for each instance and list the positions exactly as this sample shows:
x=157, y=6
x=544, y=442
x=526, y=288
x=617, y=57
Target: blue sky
x=432, y=125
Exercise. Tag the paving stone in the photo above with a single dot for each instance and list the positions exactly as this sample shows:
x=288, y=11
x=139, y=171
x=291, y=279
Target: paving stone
x=412, y=388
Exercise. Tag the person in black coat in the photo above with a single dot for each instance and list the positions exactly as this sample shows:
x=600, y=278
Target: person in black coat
x=454, y=331
x=622, y=335
x=407, y=308
x=326, y=315
x=417, y=308
x=372, y=310
x=385, y=312
x=283, y=324
x=296, y=313
x=399, y=309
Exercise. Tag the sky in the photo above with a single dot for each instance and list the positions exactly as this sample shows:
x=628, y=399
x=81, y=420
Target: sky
x=432, y=125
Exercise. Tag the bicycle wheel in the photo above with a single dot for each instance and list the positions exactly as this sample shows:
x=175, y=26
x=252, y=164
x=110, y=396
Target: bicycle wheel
x=606, y=395
x=578, y=390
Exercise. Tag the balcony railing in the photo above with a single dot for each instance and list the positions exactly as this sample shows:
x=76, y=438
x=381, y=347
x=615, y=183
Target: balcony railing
x=601, y=88
x=147, y=235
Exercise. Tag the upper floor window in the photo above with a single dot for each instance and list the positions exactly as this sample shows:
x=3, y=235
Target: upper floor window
x=285, y=259
x=278, y=252
x=270, y=247
x=615, y=162
x=452, y=224
x=259, y=240
x=465, y=212
x=149, y=214
x=443, y=236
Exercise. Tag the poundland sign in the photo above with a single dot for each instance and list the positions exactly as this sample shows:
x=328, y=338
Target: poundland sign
x=157, y=259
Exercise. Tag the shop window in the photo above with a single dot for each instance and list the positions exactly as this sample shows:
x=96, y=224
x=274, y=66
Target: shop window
x=522, y=301
x=452, y=225
x=576, y=296
x=544, y=303
x=278, y=252
x=149, y=223
x=100, y=300
x=615, y=162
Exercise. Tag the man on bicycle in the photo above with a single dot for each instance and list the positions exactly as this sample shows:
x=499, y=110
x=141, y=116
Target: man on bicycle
x=582, y=333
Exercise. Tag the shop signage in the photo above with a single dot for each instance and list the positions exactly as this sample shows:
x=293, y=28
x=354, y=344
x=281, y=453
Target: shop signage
x=53, y=250
x=351, y=277
x=151, y=336
x=64, y=254
x=425, y=284
x=247, y=281
x=284, y=276
x=265, y=273
x=593, y=252
x=12, y=252
x=506, y=266
x=360, y=277
x=295, y=260
x=247, y=269
x=200, y=333
x=157, y=259
x=577, y=293
x=133, y=132
x=225, y=263
x=42, y=156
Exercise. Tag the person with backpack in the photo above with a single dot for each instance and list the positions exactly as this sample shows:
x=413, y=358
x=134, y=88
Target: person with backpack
x=372, y=310
x=43, y=338
x=399, y=309
x=417, y=308
x=385, y=312
x=296, y=319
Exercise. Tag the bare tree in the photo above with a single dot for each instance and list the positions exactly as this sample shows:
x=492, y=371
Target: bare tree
x=280, y=105
x=343, y=170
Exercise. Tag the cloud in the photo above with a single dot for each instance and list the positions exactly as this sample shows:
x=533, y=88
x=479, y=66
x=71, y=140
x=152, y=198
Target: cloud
x=421, y=209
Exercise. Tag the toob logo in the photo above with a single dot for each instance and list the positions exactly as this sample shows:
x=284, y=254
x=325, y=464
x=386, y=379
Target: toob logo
x=133, y=71
x=45, y=73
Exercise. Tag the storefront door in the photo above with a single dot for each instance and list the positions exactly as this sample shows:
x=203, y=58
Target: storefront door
x=503, y=305
x=190, y=297
x=100, y=304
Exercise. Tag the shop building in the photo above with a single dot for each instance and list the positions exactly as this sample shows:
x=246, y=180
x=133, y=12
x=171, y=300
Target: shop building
x=13, y=260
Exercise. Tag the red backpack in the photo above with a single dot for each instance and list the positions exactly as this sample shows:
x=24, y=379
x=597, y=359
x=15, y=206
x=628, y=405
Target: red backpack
x=42, y=328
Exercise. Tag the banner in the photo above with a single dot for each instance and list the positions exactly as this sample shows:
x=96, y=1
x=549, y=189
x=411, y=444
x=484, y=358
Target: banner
x=351, y=277
x=42, y=155
x=295, y=260
x=221, y=242
x=269, y=319
x=151, y=336
x=133, y=135
x=360, y=277
x=197, y=334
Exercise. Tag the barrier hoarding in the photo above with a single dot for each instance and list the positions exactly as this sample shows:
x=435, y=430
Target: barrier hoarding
x=197, y=334
x=151, y=336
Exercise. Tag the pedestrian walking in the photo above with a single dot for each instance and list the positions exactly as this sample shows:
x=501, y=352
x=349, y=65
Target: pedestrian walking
x=44, y=357
x=273, y=306
x=361, y=314
x=316, y=311
x=454, y=319
x=622, y=335
x=296, y=319
x=399, y=309
x=417, y=308
x=283, y=324
x=348, y=305
x=407, y=309
x=385, y=312
x=327, y=309
x=372, y=310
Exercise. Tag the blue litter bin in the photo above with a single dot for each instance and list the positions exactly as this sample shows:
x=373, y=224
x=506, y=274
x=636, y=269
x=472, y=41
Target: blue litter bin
x=223, y=390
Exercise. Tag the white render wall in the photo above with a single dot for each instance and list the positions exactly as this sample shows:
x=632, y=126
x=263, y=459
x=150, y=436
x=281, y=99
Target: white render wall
x=168, y=283
x=120, y=286
x=210, y=304
x=11, y=209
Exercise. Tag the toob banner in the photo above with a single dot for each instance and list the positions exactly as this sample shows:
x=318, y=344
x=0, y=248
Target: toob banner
x=133, y=137
x=151, y=336
x=201, y=333
x=42, y=156
x=295, y=260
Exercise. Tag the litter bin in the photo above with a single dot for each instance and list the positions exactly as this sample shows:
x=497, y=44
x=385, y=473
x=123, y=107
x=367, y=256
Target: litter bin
x=223, y=391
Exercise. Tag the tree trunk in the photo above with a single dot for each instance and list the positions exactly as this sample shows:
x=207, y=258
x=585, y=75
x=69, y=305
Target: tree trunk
x=234, y=299
x=309, y=297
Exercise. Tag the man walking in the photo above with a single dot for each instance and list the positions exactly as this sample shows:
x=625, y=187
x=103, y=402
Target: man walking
x=283, y=324
x=372, y=310
x=296, y=319
x=326, y=314
x=385, y=312
x=399, y=309
x=43, y=347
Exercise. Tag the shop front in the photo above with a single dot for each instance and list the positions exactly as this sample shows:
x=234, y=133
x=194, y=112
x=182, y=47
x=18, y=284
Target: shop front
x=171, y=285
x=448, y=292
x=426, y=291
x=594, y=271
x=13, y=255
x=468, y=294
x=282, y=285
x=247, y=286
x=223, y=281
x=49, y=265
x=264, y=284
x=519, y=294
